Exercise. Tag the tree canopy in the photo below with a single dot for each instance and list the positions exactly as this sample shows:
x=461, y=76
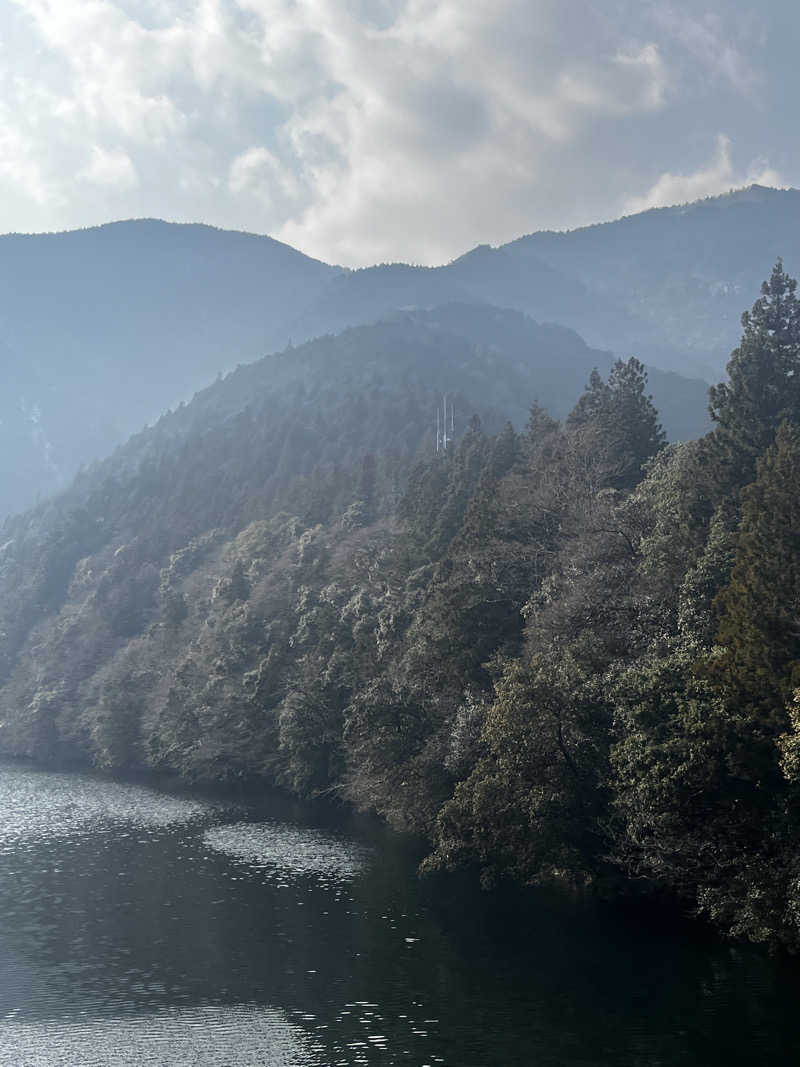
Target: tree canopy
x=564, y=653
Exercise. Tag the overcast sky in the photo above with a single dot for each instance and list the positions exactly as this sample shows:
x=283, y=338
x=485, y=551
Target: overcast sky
x=369, y=130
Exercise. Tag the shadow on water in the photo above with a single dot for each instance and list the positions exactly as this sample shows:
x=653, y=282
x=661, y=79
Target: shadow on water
x=296, y=934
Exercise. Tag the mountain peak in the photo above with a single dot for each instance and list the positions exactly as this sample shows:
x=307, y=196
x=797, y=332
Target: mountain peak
x=747, y=194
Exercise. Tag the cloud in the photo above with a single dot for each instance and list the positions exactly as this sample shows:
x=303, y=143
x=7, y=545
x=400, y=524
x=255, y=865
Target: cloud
x=258, y=172
x=19, y=167
x=452, y=113
x=718, y=41
x=109, y=168
x=631, y=81
x=716, y=176
x=366, y=130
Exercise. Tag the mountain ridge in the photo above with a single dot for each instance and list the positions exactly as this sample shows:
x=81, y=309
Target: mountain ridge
x=103, y=329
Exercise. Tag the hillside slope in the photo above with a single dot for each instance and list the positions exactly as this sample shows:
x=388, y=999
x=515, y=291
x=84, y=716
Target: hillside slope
x=561, y=654
x=302, y=431
x=104, y=329
x=666, y=285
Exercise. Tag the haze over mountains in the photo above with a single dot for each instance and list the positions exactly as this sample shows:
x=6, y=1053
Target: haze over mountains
x=556, y=647
x=104, y=329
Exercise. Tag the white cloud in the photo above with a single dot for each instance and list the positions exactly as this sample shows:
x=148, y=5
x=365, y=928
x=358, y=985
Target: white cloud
x=632, y=81
x=452, y=113
x=109, y=168
x=20, y=171
x=717, y=40
x=716, y=176
x=362, y=130
x=259, y=173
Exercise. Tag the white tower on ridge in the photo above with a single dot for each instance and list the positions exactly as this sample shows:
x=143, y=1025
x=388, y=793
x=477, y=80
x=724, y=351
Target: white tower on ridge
x=444, y=433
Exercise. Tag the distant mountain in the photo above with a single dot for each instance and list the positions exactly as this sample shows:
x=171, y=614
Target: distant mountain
x=325, y=434
x=101, y=330
x=491, y=362
x=668, y=285
x=553, y=364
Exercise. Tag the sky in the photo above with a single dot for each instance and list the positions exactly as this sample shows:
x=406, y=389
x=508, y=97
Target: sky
x=365, y=131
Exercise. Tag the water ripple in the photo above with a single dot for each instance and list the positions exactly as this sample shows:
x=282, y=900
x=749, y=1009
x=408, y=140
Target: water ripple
x=40, y=805
x=276, y=847
x=229, y=1036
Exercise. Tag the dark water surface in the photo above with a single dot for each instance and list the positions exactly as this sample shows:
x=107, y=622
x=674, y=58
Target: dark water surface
x=146, y=928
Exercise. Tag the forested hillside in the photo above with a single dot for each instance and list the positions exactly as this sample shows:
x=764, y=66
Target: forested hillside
x=104, y=329
x=565, y=653
x=101, y=330
x=667, y=285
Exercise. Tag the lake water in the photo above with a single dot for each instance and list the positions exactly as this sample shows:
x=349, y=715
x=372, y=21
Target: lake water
x=145, y=928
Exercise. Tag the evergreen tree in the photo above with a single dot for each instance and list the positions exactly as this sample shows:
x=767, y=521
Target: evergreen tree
x=616, y=423
x=763, y=386
x=532, y=807
x=758, y=665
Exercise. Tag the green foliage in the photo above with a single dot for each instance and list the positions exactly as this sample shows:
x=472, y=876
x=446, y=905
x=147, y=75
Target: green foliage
x=668, y=768
x=758, y=661
x=691, y=821
x=618, y=420
x=568, y=654
x=763, y=386
x=532, y=807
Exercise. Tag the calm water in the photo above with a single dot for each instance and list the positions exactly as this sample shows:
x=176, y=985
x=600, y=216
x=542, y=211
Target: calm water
x=143, y=928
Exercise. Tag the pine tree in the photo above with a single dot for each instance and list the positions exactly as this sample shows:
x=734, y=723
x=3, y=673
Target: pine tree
x=764, y=381
x=616, y=424
x=759, y=610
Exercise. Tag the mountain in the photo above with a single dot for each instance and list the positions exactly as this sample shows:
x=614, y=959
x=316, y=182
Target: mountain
x=491, y=362
x=666, y=285
x=103, y=329
x=319, y=441
x=670, y=283
x=563, y=653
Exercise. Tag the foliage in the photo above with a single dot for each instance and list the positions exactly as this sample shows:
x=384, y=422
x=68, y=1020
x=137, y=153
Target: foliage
x=763, y=386
x=567, y=653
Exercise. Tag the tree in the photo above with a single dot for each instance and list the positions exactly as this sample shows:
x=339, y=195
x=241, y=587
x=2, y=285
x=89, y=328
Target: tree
x=763, y=386
x=532, y=806
x=669, y=773
x=616, y=420
x=758, y=665
x=687, y=820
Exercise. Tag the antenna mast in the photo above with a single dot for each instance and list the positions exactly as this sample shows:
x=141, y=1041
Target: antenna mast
x=444, y=435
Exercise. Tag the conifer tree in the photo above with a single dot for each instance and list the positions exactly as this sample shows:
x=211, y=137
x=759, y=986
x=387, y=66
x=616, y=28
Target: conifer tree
x=617, y=424
x=763, y=386
x=759, y=610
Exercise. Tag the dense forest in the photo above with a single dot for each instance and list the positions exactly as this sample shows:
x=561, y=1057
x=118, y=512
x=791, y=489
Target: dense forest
x=563, y=653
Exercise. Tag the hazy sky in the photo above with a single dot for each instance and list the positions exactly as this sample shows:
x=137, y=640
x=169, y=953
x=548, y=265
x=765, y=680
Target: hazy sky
x=371, y=130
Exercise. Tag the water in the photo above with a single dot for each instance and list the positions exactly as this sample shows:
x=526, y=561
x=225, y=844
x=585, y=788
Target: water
x=143, y=928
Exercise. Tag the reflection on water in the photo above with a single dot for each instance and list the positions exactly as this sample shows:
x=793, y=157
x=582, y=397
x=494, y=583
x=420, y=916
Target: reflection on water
x=142, y=928
x=214, y=1037
x=278, y=848
x=36, y=807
